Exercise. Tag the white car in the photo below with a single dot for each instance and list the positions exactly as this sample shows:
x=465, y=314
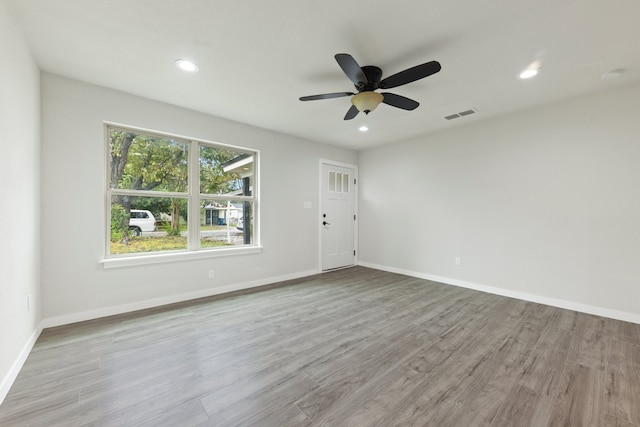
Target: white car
x=141, y=221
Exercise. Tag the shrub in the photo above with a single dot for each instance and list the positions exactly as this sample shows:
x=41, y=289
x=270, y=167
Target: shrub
x=119, y=222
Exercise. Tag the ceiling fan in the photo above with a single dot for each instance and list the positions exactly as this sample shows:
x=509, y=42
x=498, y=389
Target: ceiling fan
x=367, y=80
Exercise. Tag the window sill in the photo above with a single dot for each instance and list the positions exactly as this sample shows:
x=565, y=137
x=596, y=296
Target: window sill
x=160, y=258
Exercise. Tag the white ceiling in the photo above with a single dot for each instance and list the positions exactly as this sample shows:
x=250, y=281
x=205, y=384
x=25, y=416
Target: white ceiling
x=257, y=57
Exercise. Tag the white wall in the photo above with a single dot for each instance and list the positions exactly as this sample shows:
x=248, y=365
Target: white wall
x=543, y=204
x=20, y=198
x=76, y=286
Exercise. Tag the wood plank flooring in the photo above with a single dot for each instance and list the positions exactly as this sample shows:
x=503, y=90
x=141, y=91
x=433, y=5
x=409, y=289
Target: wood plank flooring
x=354, y=347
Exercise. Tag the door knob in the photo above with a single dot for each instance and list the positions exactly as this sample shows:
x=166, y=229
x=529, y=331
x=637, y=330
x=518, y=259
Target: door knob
x=325, y=223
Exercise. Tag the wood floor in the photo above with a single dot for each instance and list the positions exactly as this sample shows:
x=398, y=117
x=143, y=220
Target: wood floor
x=355, y=347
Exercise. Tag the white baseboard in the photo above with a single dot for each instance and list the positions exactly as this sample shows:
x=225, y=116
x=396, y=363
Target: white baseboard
x=554, y=302
x=156, y=302
x=8, y=380
x=11, y=376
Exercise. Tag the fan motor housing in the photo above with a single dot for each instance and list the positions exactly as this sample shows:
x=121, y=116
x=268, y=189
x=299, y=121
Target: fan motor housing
x=374, y=75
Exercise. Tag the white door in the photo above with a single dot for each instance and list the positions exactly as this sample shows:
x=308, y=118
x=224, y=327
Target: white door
x=337, y=216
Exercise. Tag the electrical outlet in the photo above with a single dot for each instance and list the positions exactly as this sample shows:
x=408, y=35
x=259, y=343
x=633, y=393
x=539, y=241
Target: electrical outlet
x=212, y=273
x=458, y=260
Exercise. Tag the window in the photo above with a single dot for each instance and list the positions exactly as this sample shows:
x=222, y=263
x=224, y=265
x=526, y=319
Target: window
x=338, y=182
x=170, y=194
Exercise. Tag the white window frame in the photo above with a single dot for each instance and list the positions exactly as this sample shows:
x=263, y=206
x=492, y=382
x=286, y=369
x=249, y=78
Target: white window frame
x=193, y=197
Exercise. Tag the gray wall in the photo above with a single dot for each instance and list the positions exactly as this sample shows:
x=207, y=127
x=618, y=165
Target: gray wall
x=20, y=196
x=75, y=284
x=542, y=204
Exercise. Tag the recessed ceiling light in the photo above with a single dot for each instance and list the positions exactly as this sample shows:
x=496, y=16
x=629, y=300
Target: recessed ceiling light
x=531, y=70
x=528, y=73
x=610, y=75
x=363, y=128
x=186, y=65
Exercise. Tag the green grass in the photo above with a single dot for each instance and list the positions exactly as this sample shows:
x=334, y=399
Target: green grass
x=206, y=243
x=184, y=228
x=144, y=244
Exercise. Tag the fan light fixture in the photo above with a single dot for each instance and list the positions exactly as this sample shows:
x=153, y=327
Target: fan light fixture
x=369, y=78
x=367, y=101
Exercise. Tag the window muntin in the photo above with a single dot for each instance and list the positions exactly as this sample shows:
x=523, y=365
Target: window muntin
x=338, y=182
x=157, y=173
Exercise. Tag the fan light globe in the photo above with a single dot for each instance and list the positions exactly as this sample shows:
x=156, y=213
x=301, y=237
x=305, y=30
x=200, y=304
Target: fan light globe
x=367, y=101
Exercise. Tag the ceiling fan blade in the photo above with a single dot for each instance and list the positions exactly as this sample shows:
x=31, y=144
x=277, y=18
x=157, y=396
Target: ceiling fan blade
x=399, y=101
x=351, y=69
x=410, y=75
x=326, y=96
x=353, y=111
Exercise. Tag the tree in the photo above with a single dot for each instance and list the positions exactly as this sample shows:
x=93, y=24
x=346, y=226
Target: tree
x=213, y=179
x=120, y=143
x=142, y=162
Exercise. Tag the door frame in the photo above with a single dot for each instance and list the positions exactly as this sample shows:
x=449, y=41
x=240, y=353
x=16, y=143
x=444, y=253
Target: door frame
x=320, y=208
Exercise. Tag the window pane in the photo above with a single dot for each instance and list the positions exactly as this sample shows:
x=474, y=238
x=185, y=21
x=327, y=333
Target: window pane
x=148, y=176
x=226, y=223
x=332, y=181
x=345, y=183
x=225, y=171
x=152, y=224
x=143, y=162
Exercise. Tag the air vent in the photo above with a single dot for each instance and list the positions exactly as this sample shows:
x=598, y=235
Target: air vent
x=461, y=114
